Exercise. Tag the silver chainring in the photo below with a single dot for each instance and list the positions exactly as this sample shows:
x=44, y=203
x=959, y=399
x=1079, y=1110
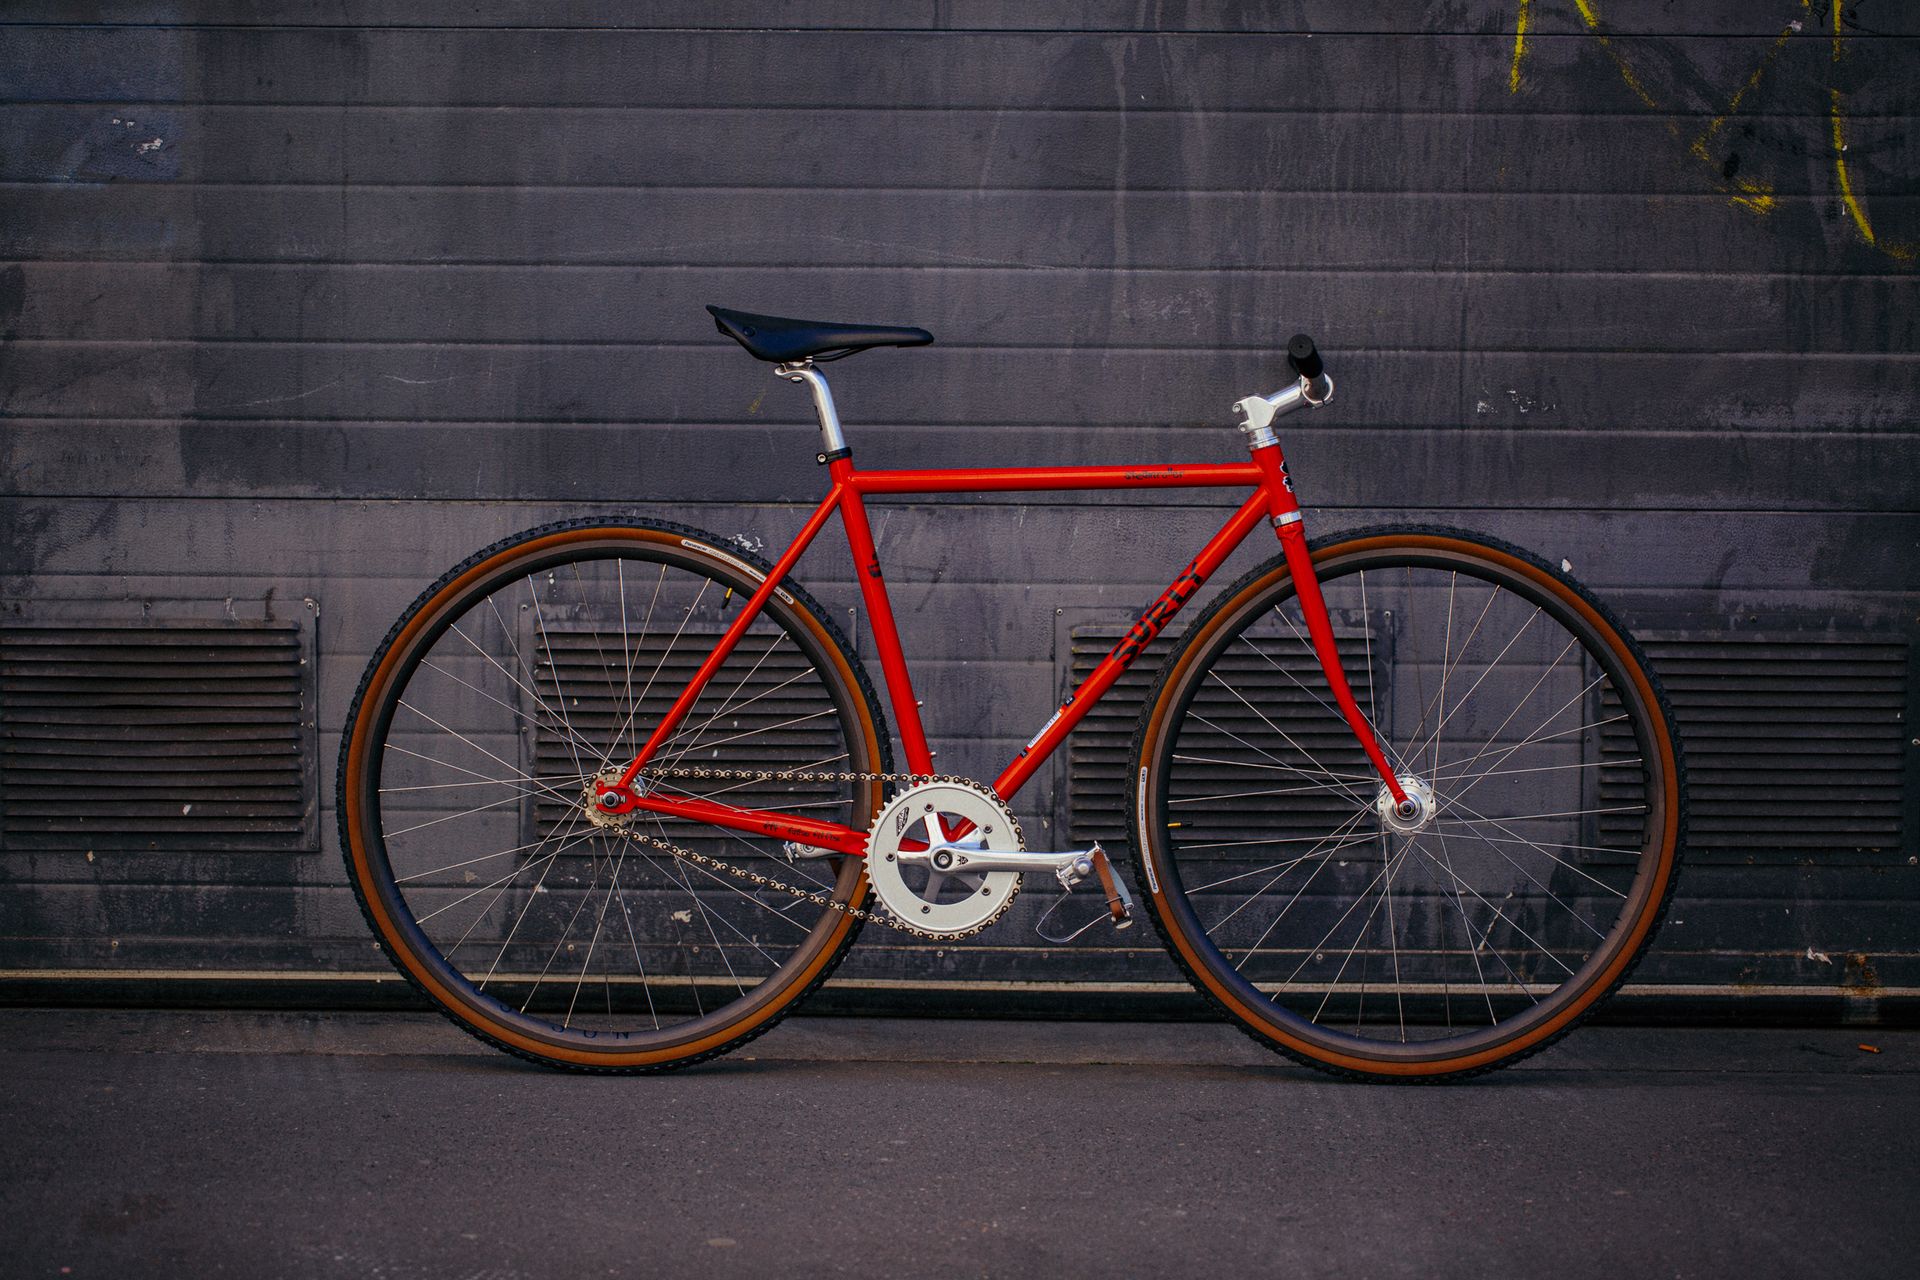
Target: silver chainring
x=929, y=900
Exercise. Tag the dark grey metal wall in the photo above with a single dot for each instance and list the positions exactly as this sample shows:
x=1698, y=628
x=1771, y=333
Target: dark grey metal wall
x=303, y=302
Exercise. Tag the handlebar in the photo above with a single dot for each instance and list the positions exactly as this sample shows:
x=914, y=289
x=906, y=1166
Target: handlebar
x=1311, y=386
x=1304, y=357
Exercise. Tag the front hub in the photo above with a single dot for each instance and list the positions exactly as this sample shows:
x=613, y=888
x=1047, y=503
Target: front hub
x=1414, y=815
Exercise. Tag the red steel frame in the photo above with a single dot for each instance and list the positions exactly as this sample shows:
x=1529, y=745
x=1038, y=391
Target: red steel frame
x=1272, y=499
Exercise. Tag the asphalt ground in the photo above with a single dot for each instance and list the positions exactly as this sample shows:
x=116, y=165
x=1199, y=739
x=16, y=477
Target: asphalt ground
x=388, y=1145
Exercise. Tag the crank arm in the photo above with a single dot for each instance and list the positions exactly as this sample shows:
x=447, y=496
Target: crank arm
x=953, y=858
x=1069, y=867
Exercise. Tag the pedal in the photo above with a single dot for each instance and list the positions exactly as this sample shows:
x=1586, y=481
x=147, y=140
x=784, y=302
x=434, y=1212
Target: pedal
x=1093, y=861
x=1119, y=901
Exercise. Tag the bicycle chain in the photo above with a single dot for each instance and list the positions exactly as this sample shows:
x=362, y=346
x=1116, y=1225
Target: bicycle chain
x=818, y=899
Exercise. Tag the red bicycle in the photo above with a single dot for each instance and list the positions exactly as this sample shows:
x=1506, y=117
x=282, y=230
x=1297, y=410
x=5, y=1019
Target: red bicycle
x=1406, y=803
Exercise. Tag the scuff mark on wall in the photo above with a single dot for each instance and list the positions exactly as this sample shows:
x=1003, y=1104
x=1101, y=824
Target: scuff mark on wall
x=13, y=297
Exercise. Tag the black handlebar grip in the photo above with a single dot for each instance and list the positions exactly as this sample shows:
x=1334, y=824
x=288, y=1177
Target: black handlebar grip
x=1304, y=358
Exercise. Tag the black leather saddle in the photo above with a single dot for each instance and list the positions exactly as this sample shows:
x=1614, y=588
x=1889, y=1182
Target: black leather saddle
x=778, y=339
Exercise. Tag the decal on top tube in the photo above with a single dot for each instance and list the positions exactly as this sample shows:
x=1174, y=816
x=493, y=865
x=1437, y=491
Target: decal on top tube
x=1158, y=614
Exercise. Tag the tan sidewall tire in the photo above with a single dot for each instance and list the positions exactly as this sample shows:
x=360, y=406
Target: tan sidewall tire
x=775, y=996
x=1652, y=889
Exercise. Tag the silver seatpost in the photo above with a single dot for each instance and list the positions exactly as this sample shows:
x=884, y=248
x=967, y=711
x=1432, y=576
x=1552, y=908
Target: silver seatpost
x=831, y=440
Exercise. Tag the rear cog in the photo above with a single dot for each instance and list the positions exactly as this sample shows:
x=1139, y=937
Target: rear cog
x=913, y=866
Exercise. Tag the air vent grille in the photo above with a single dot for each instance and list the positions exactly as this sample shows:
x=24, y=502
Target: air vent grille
x=1794, y=746
x=1287, y=686
x=199, y=735
x=765, y=709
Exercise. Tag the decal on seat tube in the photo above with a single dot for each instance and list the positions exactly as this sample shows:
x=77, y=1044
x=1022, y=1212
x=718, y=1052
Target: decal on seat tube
x=1051, y=721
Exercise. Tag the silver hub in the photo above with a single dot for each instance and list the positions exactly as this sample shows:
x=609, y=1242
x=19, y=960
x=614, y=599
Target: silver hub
x=1414, y=815
x=931, y=890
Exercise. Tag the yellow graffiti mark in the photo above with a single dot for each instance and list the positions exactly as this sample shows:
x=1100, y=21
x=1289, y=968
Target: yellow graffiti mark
x=1699, y=147
x=1904, y=252
x=1755, y=197
x=1626, y=72
x=1901, y=252
x=1519, y=43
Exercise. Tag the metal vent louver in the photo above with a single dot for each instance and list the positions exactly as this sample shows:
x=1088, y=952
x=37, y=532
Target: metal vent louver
x=1794, y=746
x=764, y=710
x=1287, y=689
x=198, y=732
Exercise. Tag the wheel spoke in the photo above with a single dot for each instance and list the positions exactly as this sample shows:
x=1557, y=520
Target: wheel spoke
x=1327, y=844
x=633, y=704
x=553, y=665
x=1306, y=642
x=1279, y=767
x=1321, y=770
x=537, y=785
x=1517, y=838
x=1492, y=665
x=1504, y=918
x=1466, y=926
x=1551, y=715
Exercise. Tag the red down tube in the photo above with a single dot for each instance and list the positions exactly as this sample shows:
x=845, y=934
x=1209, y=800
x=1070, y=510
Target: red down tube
x=1131, y=645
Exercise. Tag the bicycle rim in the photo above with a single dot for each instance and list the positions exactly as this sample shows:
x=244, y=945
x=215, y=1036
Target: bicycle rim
x=1548, y=839
x=525, y=672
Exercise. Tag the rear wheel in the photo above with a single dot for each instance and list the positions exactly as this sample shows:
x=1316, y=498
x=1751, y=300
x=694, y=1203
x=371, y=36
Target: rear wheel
x=1548, y=785
x=480, y=723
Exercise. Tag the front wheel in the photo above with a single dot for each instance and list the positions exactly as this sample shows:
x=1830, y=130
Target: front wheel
x=466, y=780
x=1548, y=781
